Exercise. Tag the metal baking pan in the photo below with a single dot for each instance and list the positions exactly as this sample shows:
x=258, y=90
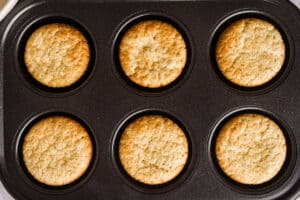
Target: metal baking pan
x=104, y=100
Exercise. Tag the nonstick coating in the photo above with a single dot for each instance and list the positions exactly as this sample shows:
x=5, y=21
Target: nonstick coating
x=104, y=100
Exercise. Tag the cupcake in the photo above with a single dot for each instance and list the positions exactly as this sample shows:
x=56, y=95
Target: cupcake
x=57, y=150
x=153, y=149
x=250, y=52
x=251, y=149
x=57, y=55
x=152, y=53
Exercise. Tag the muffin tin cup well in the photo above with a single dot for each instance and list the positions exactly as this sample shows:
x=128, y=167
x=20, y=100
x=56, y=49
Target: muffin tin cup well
x=283, y=174
x=29, y=179
x=29, y=27
x=286, y=36
x=145, y=188
x=139, y=17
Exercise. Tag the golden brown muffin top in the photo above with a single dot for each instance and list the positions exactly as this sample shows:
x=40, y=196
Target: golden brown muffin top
x=251, y=149
x=153, y=149
x=57, y=55
x=152, y=53
x=250, y=52
x=57, y=150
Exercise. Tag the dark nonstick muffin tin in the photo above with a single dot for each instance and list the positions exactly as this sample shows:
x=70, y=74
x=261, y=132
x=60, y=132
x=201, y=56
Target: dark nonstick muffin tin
x=201, y=100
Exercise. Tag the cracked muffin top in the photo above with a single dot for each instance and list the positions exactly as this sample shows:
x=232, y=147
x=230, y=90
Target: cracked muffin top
x=153, y=149
x=57, y=150
x=152, y=53
x=250, y=52
x=251, y=149
x=57, y=55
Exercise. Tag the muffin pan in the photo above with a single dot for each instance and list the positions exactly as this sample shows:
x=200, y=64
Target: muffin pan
x=201, y=100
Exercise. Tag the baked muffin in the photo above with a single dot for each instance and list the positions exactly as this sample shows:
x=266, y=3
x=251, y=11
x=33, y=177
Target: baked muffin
x=57, y=55
x=57, y=150
x=251, y=149
x=152, y=53
x=153, y=149
x=250, y=52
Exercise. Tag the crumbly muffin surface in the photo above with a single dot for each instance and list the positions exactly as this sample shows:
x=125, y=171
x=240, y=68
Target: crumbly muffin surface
x=57, y=150
x=251, y=149
x=250, y=52
x=57, y=55
x=153, y=149
x=152, y=53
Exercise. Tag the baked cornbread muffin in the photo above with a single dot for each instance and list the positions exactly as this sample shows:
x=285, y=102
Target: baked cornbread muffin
x=57, y=55
x=250, y=52
x=153, y=149
x=57, y=150
x=251, y=149
x=152, y=53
